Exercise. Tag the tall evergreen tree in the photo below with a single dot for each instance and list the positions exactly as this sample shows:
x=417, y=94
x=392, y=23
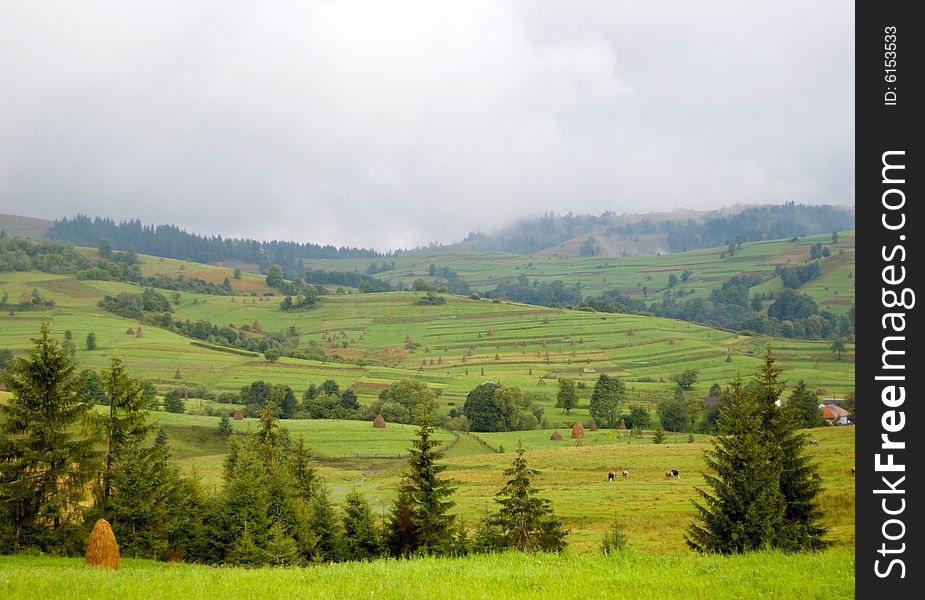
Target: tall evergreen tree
x=804, y=405
x=801, y=528
x=125, y=425
x=760, y=462
x=45, y=465
x=431, y=524
x=325, y=526
x=400, y=534
x=525, y=521
x=746, y=506
x=361, y=537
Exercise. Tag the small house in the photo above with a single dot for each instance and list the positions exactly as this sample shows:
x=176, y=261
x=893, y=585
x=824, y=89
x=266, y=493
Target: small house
x=835, y=415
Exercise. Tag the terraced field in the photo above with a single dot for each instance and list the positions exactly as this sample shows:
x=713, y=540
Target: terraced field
x=381, y=338
x=709, y=267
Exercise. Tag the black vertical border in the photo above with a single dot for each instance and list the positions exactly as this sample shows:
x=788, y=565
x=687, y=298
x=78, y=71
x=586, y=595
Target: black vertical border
x=880, y=128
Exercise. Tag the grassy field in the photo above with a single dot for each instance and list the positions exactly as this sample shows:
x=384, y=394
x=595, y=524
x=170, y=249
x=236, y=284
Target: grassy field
x=655, y=510
x=828, y=575
x=381, y=338
x=709, y=267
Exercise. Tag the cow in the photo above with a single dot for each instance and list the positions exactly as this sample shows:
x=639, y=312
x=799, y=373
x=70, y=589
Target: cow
x=817, y=476
x=672, y=473
x=626, y=473
x=610, y=476
x=852, y=471
x=813, y=442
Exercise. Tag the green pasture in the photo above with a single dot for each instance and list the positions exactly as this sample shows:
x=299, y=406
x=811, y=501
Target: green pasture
x=709, y=267
x=453, y=347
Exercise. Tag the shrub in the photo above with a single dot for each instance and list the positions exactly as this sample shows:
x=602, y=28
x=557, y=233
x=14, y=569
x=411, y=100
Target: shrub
x=614, y=538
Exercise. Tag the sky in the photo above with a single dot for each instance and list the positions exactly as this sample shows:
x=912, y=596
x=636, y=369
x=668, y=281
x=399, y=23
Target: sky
x=395, y=124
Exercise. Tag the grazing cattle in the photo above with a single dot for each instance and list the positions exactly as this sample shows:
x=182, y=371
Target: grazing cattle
x=610, y=476
x=817, y=476
x=626, y=473
x=672, y=473
x=852, y=470
x=813, y=442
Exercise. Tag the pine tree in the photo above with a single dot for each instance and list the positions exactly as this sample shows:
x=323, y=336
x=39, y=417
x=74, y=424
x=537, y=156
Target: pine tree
x=125, y=425
x=361, y=538
x=431, y=525
x=224, y=427
x=400, y=535
x=804, y=405
x=326, y=528
x=764, y=495
x=303, y=473
x=801, y=528
x=746, y=506
x=525, y=521
x=44, y=466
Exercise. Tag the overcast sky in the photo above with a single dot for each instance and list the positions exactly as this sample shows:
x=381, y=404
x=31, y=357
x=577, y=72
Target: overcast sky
x=393, y=124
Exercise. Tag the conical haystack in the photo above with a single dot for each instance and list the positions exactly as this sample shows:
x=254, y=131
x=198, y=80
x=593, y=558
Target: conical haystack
x=379, y=422
x=102, y=549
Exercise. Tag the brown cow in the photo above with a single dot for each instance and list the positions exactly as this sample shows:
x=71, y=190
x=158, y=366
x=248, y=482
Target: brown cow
x=817, y=476
x=610, y=476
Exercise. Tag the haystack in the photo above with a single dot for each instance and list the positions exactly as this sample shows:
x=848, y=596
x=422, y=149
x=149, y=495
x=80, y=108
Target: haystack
x=379, y=422
x=139, y=333
x=102, y=549
x=556, y=436
x=129, y=331
x=578, y=431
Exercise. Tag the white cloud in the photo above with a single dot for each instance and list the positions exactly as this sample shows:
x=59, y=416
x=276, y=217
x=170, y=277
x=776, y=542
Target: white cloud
x=394, y=124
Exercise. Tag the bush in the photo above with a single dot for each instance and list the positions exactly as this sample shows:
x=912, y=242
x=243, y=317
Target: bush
x=615, y=538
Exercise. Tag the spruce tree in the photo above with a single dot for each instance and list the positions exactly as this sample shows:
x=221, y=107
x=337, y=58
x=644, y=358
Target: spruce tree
x=760, y=463
x=804, y=405
x=524, y=521
x=361, y=537
x=400, y=535
x=325, y=527
x=124, y=427
x=45, y=465
x=746, y=506
x=801, y=528
x=423, y=500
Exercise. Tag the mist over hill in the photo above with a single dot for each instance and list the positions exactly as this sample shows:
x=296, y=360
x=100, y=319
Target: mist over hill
x=658, y=233
x=608, y=234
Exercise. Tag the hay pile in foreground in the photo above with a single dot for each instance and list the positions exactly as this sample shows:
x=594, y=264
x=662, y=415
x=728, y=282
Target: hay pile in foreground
x=102, y=549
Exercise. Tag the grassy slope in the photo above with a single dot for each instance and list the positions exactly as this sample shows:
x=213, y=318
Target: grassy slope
x=484, y=270
x=828, y=575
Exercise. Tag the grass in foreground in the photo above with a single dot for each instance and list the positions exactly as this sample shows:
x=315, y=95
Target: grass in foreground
x=825, y=575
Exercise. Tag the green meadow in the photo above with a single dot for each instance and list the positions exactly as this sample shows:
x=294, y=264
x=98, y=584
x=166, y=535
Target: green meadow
x=709, y=268
x=373, y=340
x=827, y=575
